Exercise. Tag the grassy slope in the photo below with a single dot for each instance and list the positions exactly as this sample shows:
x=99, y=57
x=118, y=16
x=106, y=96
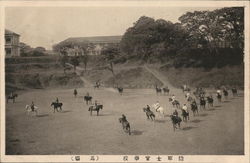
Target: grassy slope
x=228, y=76
x=37, y=72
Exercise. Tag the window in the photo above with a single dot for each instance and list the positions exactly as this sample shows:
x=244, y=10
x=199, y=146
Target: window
x=7, y=39
x=8, y=51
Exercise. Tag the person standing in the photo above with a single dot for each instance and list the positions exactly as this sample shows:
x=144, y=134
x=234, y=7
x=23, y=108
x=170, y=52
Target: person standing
x=75, y=92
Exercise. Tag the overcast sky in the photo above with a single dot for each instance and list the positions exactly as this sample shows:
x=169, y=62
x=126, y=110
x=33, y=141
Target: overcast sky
x=45, y=26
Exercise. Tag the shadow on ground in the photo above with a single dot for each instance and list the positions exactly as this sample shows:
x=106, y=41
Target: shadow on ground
x=188, y=128
x=196, y=121
x=136, y=132
x=43, y=115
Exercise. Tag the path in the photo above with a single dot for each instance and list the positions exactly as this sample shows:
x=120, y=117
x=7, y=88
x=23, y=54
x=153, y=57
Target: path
x=79, y=70
x=159, y=76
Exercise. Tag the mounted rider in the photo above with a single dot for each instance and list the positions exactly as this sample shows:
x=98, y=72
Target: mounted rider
x=175, y=113
x=32, y=106
x=185, y=108
x=57, y=101
x=75, y=92
x=173, y=98
x=124, y=118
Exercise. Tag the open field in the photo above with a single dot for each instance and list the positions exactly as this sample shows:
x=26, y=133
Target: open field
x=218, y=131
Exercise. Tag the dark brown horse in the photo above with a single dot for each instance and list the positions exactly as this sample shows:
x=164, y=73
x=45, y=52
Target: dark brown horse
x=175, y=103
x=234, y=91
x=149, y=114
x=120, y=90
x=56, y=106
x=95, y=108
x=194, y=108
x=125, y=125
x=12, y=97
x=176, y=121
x=166, y=90
x=185, y=115
x=88, y=99
x=210, y=101
x=158, y=90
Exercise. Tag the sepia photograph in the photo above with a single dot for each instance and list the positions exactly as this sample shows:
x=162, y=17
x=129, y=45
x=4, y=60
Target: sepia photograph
x=125, y=80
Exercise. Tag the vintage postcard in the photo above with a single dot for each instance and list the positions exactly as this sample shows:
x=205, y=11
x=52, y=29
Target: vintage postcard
x=124, y=81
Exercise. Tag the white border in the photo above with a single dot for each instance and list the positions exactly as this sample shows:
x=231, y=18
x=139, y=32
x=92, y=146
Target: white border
x=118, y=158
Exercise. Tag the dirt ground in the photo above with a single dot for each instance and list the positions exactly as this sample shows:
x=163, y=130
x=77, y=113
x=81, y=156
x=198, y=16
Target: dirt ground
x=216, y=131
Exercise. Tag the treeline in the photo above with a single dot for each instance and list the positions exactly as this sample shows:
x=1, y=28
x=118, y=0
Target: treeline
x=28, y=51
x=200, y=39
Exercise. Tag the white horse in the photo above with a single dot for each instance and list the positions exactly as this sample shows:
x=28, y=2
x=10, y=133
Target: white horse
x=29, y=110
x=159, y=109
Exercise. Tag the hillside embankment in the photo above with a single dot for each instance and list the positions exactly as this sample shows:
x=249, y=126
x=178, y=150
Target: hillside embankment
x=47, y=72
x=26, y=73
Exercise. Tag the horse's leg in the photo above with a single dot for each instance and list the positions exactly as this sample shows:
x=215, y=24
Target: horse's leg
x=97, y=112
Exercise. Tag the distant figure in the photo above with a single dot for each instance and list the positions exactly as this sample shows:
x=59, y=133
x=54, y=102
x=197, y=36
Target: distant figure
x=184, y=107
x=173, y=97
x=87, y=94
x=57, y=101
x=75, y=92
x=124, y=117
x=32, y=106
x=148, y=108
x=175, y=113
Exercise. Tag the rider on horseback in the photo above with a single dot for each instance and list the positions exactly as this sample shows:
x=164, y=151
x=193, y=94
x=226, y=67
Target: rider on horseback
x=184, y=107
x=175, y=113
x=124, y=118
x=57, y=101
x=75, y=92
x=157, y=106
x=173, y=98
x=32, y=106
x=148, y=108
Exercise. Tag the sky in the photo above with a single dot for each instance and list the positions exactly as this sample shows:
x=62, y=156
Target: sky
x=45, y=26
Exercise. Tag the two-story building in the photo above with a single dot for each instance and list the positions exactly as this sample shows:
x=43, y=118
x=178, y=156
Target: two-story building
x=12, y=47
x=95, y=44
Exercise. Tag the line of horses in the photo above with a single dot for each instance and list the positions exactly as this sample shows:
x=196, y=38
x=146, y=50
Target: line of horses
x=200, y=95
x=176, y=120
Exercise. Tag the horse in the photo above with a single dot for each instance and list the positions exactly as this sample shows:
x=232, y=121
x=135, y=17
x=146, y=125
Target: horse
x=149, y=113
x=202, y=103
x=185, y=89
x=176, y=121
x=219, y=97
x=210, y=101
x=166, y=90
x=120, y=90
x=225, y=92
x=194, y=108
x=189, y=98
x=175, y=103
x=158, y=90
x=29, y=110
x=185, y=115
x=95, y=108
x=125, y=125
x=56, y=106
x=158, y=109
x=88, y=99
x=13, y=97
x=97, y=85
x=234, y=91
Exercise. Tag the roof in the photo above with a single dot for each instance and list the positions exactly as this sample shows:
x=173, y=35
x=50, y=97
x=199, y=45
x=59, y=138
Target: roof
x=9, y=32
x=95, y=39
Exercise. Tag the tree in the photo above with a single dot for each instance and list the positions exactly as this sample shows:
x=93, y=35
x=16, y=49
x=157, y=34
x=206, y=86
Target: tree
x=25, y=50
x=110, y=54
x=74, y=62
x=39, y=51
